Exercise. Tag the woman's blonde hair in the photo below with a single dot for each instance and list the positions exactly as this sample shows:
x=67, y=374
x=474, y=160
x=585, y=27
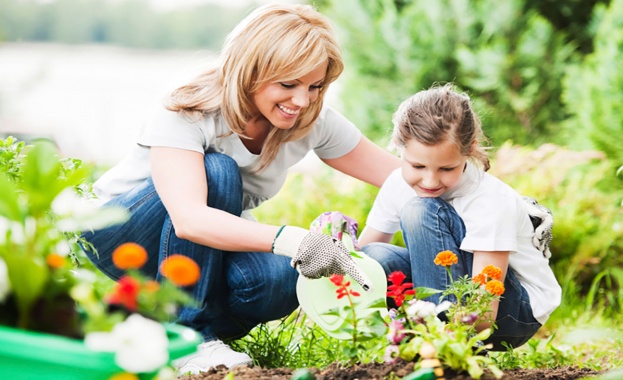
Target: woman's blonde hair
x=274, y=43
x=439, y=114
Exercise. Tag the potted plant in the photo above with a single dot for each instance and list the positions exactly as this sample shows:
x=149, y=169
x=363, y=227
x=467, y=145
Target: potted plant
x=55, y=322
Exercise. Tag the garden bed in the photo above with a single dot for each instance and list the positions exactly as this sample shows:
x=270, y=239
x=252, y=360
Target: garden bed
x=378, y=371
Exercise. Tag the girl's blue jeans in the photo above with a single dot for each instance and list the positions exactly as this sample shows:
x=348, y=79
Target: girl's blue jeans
x=236, y=290
x=431, y=225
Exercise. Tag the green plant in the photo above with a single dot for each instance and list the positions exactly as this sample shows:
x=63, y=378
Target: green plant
x=361, y=328
x=458, y=341
x=44, y=206
x=41, y=215
x=592, y=88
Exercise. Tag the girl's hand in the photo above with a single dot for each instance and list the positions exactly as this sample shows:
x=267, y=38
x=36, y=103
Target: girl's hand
x=335, y=224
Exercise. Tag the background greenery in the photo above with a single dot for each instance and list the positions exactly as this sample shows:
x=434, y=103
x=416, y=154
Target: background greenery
x=544, y=74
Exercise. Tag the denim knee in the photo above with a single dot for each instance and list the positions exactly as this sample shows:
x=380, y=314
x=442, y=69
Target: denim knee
x=224, y=183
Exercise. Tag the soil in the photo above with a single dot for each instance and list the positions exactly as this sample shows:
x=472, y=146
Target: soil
x=378, y=371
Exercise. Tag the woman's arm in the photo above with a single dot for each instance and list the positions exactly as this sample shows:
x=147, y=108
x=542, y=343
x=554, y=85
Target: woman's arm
x=481, y=260
x=179, y=177
x=367, y=162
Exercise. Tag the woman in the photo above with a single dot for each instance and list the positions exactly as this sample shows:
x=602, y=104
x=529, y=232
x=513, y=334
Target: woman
x=223, y=146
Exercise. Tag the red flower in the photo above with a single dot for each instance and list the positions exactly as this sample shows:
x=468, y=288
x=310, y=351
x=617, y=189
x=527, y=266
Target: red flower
x=397, y=290
x=343, y=289
x=125, y=293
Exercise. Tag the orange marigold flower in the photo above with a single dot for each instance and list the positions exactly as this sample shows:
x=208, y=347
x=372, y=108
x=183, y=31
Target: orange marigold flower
x=492, y=272
x=446, y=258
x=480, y=279
x=152, y=286
x=129, y=256
x=55, y=261
x=495, y=287
x=180, y=270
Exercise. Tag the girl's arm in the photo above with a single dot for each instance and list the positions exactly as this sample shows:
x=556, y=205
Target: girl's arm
x=370, y=235
x=481, y=260
x=180, y=179
x=367, y=162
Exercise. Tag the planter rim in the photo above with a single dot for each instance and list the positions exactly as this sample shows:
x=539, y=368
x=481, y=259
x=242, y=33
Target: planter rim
x=59, y=350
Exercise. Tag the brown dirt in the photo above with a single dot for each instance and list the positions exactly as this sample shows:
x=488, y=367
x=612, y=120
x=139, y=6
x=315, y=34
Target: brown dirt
x=378, y=371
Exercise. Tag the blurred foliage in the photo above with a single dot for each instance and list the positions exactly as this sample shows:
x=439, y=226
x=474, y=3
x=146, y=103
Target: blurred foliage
x=506, y=55
x=594, y=89
x=132, y=23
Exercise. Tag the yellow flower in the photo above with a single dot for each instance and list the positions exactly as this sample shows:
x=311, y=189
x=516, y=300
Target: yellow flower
x=124, y=376
x=492, y=272
x=180, y=270
x=446, y=258
x=495, y=287
x=129, y=256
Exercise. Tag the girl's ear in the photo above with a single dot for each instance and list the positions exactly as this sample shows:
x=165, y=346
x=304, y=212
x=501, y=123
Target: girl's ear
x=474, y=147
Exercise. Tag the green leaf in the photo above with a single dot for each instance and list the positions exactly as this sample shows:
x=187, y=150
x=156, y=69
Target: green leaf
x=9, y=200
x=28, y=276
x=423, y=292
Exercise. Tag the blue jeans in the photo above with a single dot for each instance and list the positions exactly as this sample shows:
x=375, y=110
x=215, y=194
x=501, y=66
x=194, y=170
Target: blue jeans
x=431, y=225
x=236, y=291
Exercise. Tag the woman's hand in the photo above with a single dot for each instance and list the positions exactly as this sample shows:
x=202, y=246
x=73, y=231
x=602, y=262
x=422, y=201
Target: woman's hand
x=317, y=255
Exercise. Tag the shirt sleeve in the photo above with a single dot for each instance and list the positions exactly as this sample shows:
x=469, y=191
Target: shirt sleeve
x=172, y=129
x=337, y=135
x=385, y=213
x=490, y=223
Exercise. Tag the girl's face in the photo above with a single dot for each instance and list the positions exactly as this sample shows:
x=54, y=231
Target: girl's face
x=282, y=102
x=432, y=170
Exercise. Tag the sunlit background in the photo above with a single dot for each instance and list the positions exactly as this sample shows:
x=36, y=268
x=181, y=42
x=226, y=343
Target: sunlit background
x=91, y=98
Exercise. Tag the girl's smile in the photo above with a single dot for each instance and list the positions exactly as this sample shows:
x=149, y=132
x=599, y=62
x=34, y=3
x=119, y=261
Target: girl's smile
x=432, y=170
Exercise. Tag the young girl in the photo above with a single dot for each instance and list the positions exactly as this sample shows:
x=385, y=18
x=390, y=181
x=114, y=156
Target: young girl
x=443, y=199
x=221, y=147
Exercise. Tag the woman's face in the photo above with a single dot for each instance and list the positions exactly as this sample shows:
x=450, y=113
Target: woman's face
x=282, y=102
x=432, y=170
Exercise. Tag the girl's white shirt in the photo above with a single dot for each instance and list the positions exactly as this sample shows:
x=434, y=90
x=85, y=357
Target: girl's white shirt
x=332, y=136
x=495, y=218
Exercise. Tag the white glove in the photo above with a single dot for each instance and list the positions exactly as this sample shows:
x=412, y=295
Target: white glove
x=543, y=223
x=317, y=255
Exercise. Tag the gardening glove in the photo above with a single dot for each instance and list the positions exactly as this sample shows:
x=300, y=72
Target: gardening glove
x=317, y=255
x=334, y=223
x=543, y=222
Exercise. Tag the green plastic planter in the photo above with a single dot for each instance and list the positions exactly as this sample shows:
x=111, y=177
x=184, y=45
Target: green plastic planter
x=28, y=355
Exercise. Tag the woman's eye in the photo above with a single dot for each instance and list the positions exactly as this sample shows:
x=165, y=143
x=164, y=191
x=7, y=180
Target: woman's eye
x=287, y=85
x=315, y=87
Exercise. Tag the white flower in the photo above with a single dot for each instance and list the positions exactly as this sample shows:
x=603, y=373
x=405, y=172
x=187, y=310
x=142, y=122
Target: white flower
x=139, y=344
x=76, y=213
x=423, y=309
x=5, y=284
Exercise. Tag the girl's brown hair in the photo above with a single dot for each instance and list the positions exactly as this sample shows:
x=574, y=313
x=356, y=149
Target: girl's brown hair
x=438, y=114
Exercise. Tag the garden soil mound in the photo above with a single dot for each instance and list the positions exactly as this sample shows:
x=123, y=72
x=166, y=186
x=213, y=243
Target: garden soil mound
x=378, y=371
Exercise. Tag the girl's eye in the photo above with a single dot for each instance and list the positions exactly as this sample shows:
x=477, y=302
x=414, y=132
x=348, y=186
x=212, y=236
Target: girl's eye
x=419, y=167
x=448, y=169
x=287, y=85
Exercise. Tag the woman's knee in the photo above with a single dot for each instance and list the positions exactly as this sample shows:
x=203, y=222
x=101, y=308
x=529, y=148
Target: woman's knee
x=224, y=183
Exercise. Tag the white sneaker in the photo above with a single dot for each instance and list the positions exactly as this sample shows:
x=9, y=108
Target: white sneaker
x=210, y=355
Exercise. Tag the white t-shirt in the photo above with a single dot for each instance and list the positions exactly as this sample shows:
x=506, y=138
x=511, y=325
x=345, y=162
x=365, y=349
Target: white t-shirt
x=331, y=136
x=495, y=218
